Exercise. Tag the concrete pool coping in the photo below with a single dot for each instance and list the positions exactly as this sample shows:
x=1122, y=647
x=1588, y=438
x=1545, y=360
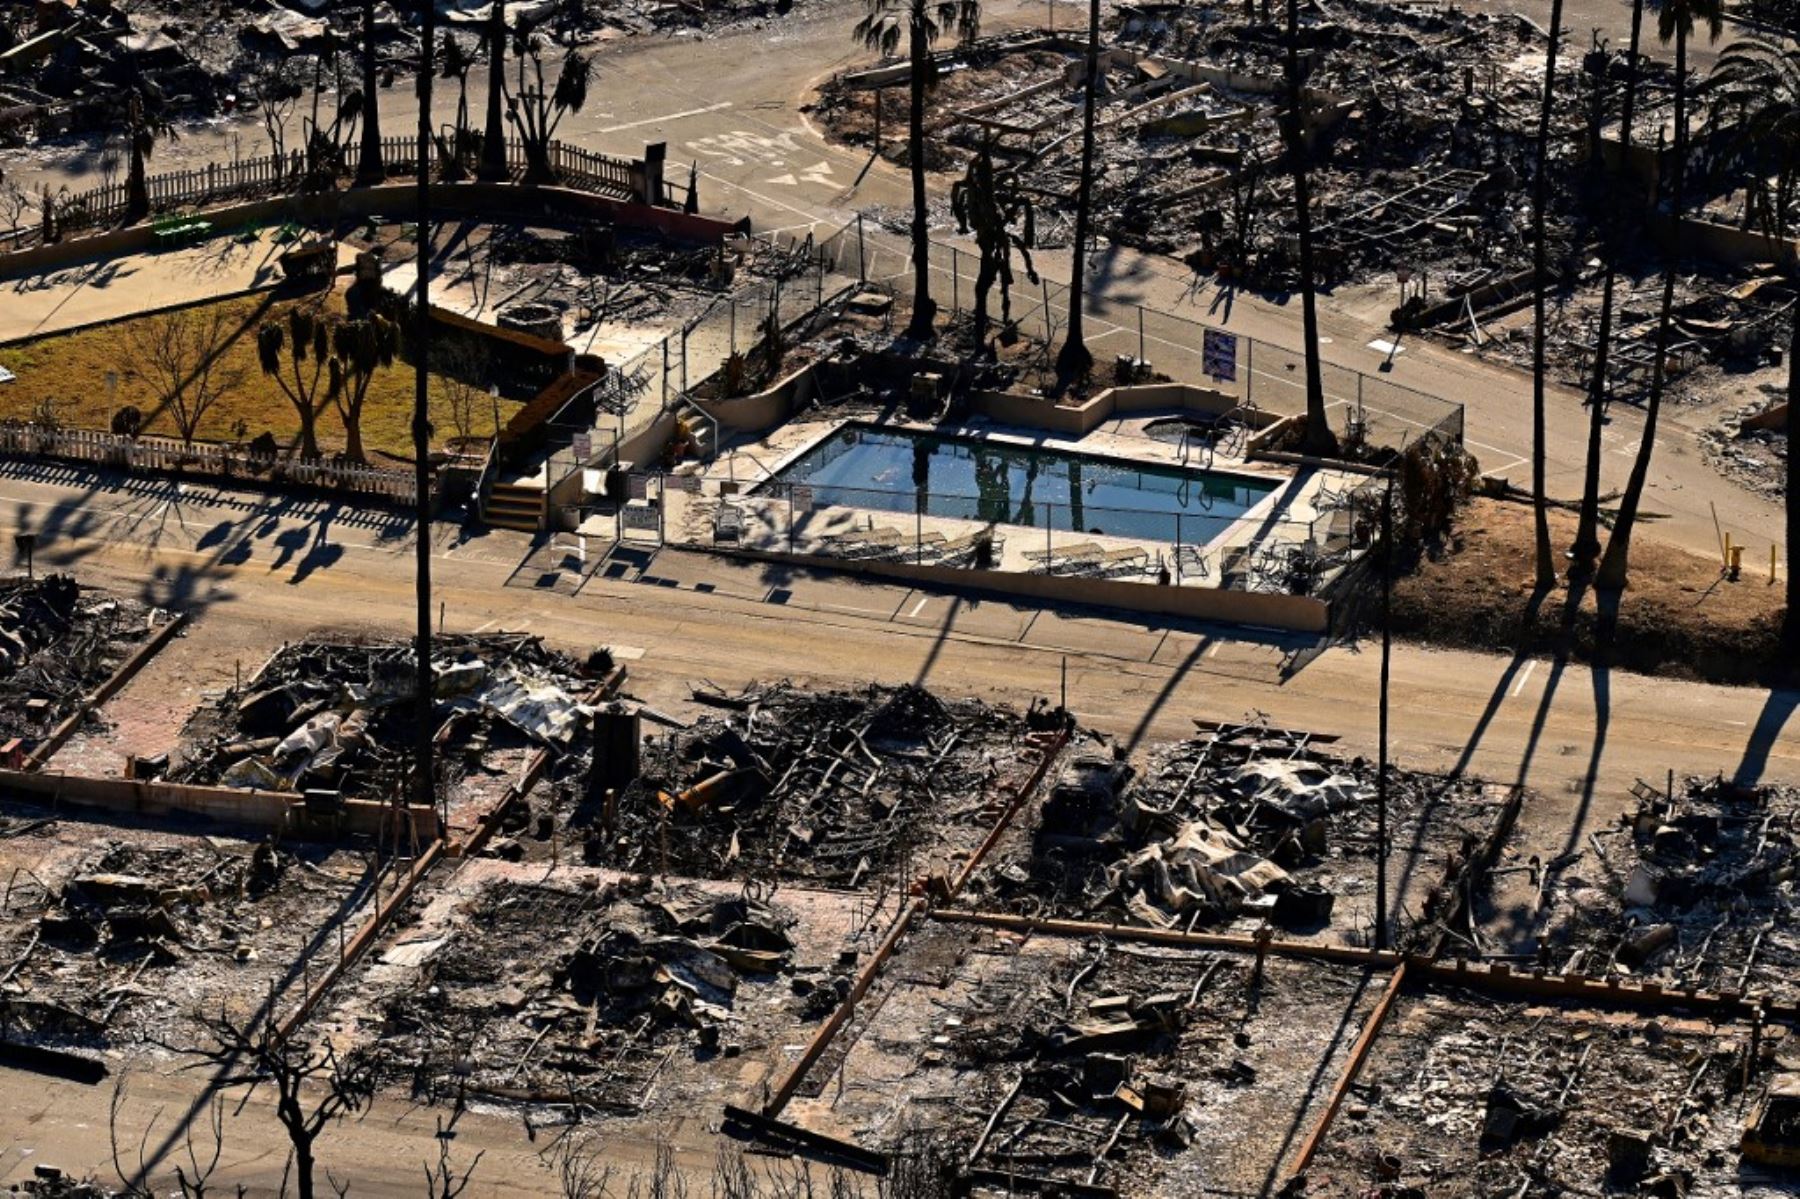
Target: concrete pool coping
x=769, y=534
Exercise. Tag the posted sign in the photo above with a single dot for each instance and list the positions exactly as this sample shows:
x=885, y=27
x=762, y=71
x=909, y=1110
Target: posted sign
x=1218, y=355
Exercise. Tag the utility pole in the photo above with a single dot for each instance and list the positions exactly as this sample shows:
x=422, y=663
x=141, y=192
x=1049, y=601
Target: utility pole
x=424, y=792
x=1381, y=756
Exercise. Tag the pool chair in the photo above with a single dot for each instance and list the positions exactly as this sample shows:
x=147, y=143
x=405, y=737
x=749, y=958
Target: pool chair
x=728, y=524
x=909, y=547
x=1066, y=557
x=880, y=542
x=1191, y=563
x=1129, y=560
x=960, y=551
x=1333, y=499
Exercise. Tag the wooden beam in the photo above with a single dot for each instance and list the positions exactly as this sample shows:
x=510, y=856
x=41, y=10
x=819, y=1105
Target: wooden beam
x=780, y=1131
x=1359, y=1053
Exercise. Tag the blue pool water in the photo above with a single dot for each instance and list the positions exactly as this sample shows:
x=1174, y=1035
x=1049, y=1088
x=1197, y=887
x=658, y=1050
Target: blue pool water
x=899, y=470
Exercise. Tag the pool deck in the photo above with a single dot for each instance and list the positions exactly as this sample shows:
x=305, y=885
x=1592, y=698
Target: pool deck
x=1288, y=513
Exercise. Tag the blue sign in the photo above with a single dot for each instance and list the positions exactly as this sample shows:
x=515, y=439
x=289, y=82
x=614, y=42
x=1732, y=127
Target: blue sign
x=1218, y=355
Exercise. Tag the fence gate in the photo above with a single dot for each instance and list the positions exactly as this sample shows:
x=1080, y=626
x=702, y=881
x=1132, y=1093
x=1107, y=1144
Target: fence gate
x=641, y=515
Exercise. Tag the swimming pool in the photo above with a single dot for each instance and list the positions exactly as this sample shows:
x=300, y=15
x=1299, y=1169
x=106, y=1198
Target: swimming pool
x=902, y=470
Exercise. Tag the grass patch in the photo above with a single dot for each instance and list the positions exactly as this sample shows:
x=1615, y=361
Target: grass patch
x=69, y=370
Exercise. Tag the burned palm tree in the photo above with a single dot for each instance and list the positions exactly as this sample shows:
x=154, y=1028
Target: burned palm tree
x=455, y=154
x=989, y=204
x=1319, y=439
x=370, y=169
x=145, y=125
x=1676, y=20
x=920, y=23
x=535, y=109
x=493, y=139
x=1540, y=201
x=1074, y=360
x=1586, y=550
x=360, y=349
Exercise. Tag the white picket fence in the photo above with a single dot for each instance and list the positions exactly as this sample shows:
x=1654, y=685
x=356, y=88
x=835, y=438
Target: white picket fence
x=201, y=458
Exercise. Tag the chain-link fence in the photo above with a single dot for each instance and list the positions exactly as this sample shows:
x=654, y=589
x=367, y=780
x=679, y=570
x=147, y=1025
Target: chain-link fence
x=632, y=394
x=1363, y=409
x=1226, y=548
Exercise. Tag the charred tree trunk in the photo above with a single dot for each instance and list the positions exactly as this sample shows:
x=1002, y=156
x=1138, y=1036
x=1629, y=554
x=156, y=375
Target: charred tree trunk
x=1319, y=438
x=369, y=168
x=919, y=52
x=493, y=141
x=1074, y=360
x=1586, y=550
x=1615, y=564
x=1540, y=200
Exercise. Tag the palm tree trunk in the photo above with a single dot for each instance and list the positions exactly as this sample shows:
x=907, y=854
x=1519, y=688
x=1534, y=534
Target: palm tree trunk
x=370, y=169
x=1074, y=361
x=1319, y=438
x=353, y=438
x=424, y=791
x=1540, y=200
x=1791, y=627
x=1615, y=563
x=137, y=184
x=1586, y=550
x=919, y=52
x=493, y=141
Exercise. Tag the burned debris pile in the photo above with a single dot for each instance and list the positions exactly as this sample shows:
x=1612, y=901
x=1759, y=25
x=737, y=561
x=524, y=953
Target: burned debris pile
x=1696, y=887
x=57, y=643
x=1092, y=1064
x=1476, y=1097
x=117, y=943
x=589, y=991
x=337, y=718
x=1243, y=822
x=837, y=787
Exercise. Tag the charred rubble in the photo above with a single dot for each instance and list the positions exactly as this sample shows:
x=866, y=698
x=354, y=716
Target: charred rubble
x=338, y=718
x=838, y=787
x=57, y=643
x=1694, y=886
x=1241, y=823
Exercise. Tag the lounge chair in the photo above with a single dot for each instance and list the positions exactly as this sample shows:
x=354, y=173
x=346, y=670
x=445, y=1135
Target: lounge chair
x=959, y=551
x=1128, y=560
x=1066, y=556
x=1333, y=499
x=1190, y=563
x=871, y=543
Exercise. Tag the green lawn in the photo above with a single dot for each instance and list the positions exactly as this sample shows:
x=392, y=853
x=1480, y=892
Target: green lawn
x=70, y=371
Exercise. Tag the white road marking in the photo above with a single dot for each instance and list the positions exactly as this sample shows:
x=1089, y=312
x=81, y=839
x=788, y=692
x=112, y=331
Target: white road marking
x=923, y=600
x=674, y=116
x=1524, y=677
x=626, y=653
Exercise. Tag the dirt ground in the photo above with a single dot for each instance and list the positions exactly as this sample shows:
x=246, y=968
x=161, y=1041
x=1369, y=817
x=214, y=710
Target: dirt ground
x=1679, y=617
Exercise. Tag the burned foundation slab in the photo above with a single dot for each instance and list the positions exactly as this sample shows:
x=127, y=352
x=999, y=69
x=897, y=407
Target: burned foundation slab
x=1467, y=1095
x=117, y=937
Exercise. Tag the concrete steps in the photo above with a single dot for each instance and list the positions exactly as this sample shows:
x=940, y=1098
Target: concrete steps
x=512, y=506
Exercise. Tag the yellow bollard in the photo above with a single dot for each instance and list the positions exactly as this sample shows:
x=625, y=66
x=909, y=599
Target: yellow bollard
x=1771, y=564
x=1727, y=562
x=1735, y=567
